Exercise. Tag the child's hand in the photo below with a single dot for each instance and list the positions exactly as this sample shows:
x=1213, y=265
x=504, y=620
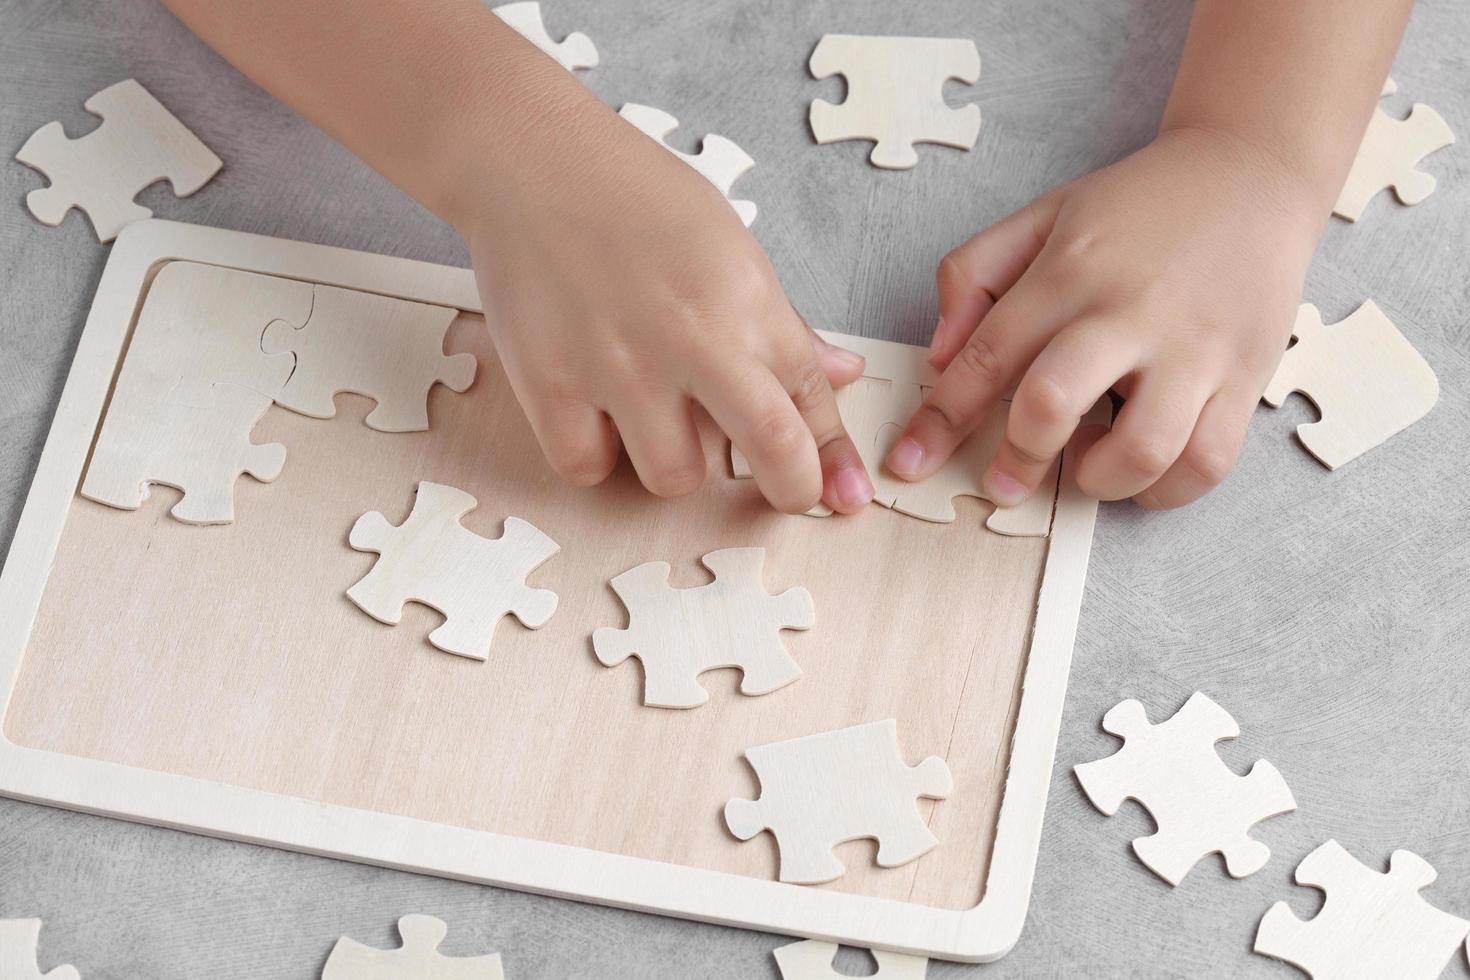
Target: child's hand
x=1172, y=277
x=621, y=289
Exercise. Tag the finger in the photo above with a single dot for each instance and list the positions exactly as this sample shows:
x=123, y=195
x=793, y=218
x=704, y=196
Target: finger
x=1209, y=455
x=662, y=442
x=757, y=413
x=841, y=365
x=1148, y=435
x=845, y=483
x=1061, y=385
x=974, y=276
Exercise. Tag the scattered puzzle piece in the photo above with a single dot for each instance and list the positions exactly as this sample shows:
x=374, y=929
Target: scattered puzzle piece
x=1389, y=157
x=18, y=938
x=680, y=633
x=417, y=959
x=895, y=94
x=812, y=960
x=577, y=51
x=430, y=558
x=820, y=790
x=390, y=350
x=1371, y=925
x=719, y=160
x=1367, y=380
x=1199, y=804
x=137, y=143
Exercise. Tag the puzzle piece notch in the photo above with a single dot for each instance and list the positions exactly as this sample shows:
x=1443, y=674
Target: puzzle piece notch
x=1200, y=805
x=390, y=350
x=1389, y=157
x=1371, y=924
x=679, y=634
x=18, y=941
x=895, y=94
x=576, y=51
x=719, y=160
x=137, y=143
x=432, y=559
x=417, y=959
x=820, y=790
x=812, y=960
x=1363, y=375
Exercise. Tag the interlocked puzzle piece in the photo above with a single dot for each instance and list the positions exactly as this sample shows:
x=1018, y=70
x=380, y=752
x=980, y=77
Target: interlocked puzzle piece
x=820, y=790
x=1371, y=925
x=18, y=938
x=577, y=51
x=430, y=558
x=200, y=451
x=390, y=350
x=1389, y=157
x=895, y=94
x=680, y=633
x=417, y=959
x=1199, y=804
x=137, y=143
x=1367, y=380
x=719, y=160
x=812, y=960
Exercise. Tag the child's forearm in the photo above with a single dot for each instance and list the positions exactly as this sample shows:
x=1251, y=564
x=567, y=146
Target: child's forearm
x=1296, y=81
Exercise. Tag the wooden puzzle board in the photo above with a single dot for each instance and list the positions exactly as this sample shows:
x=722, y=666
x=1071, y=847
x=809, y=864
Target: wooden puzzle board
x=230, y=656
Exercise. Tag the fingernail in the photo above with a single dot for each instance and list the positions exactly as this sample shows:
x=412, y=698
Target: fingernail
x=1004, y=490
x=854, y=489
x=846, y=356
x=906, y=457
x=938, y=336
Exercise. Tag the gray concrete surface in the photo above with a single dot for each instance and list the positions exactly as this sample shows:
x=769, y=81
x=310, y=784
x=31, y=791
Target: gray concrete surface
x=1329, y=611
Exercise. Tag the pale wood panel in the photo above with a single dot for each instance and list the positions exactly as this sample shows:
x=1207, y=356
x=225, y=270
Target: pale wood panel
x=231, y=653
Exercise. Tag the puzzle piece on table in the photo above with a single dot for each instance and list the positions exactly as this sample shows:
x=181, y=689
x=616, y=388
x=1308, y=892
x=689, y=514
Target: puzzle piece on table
x=390, y=350
x=1389, y=157
x=895, y=94
x=18, y=939
x=417, y=959
x=576, y=51
x=679, y=634
x=137, y=143
x=812, y=960
x=820, y=790
x=199, y=450
x=1199, y=804
x=719, y=160
x=1365, y=378
x=432, y=559
x=1371, y=925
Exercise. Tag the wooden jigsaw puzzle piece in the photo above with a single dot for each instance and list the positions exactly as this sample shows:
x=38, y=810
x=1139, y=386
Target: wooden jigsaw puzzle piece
x=1389, y=157
x=1371, y=924
x=576, y=51
x=18, y=940
x=389, y=350
x=820, y=790
x=417, y=959
x=812, y=960
x=1366, y=379
x=719, y=160
x=895, y=94
x=137, y=143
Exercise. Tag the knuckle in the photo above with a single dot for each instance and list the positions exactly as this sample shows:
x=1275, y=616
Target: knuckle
x=1027, y=455
x=1045, y=399
x=980, y=360
x=584, y=468
x=936, y=413
x=810, y=387
x=1210, y=464
x=951, y=274
x=782, y=435
x=1145, y=455
x=676, y=479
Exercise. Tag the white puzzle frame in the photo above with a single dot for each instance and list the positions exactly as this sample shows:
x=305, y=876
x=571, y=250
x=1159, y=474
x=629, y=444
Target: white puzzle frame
x=982, y=933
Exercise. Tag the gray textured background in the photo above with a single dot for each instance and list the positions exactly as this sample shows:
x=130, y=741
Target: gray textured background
x=1330, y=612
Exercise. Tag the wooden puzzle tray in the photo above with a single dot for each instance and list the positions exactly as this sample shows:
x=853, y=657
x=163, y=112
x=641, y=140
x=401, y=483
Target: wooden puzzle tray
x=217, y=679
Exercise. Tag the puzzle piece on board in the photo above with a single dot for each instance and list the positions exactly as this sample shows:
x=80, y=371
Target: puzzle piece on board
x=812, y=960
x=1371, y=925
x=1367, y=380
x=719, y=160
x=576, y=51
x=417, y=959
x=1199, y=804
x=199, y=450
x=895, y=94
x=820, y=790
x=1389, y=157
x=432, y=559
x=137, y=143
x=18, y=938
x=680, y=633
x=390, y=350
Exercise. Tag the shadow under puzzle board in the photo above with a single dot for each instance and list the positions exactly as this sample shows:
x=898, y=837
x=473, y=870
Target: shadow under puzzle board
x=231, y=654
